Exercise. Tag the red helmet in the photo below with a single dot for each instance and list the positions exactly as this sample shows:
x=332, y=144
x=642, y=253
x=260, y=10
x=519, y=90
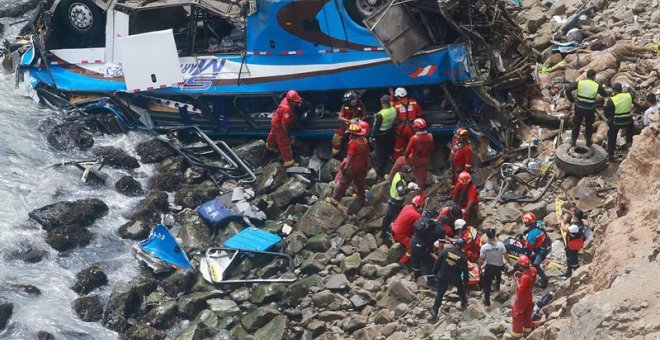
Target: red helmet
x=462, y=133
x=418, y=200
x=529, y=219
x=356, y=129
x=524, y=261
x=464, y=177
x=364, y=125
x=419, y=124
x=293, y=96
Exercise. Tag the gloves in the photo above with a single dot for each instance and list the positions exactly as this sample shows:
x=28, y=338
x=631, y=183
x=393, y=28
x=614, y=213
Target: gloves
x=413, y=186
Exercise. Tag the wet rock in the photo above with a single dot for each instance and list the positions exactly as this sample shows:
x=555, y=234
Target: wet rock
x=350, y=265
x=69, y=136
x=397, y=292
x=162, y=316
x=318, y=243
x=128, y=186
x=254, y=152
x=43, y=335
x=6, y=311
x=258, y=318
x=68, y=237
x=153, y=151
x=116, y=158
x=88, y=308
x=124, y=303
x=167, y=181
x=89, y=279
x=287, y=192
x=274, y=329
x=194, y=232
x=337, y=282
x=329, y=170
x=150, y=208
x=134, y=230
x=273, y=176
x=322, y=217
x=143, y=332
x=192, y=196
x=29, y=255
x=223, y=307
x=81, y=212
x=179, y=282
x=354, y=323
x=26, y=289
x=190, y=305
x=267, y=293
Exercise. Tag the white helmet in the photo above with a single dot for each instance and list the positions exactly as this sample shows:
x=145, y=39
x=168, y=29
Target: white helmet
x=573, y=229
x=459, y=224
x=400, y=92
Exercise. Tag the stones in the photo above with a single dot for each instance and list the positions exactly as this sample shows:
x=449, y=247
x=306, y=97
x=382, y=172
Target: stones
x=475, y=331
x=323, y=298
x=273, y=176
x=190, y=305
x=17, y=8
x=143, y=332
x=223, y=307
x=116, y=158
x=178, y=282
x=124, y=303
x=240, y=294
x=194, y=232
x=29, y=255
x=337, y=282
x=81, y=212
x=538, y=208
x=397, y=292
x=535, y=18
x=254, y=152
x=162, y=315
x=134, y=230
x=89, y=279
x=150, y=208
x=350, y=265
x=354, y=323
x=287, y=192
x=318, y=243
x=300, y=288
x=378, y=256
x=258, y=318
x=69, y=136
x=192, y=196
x=296, y=242
x=128, y=186
x=168, y=181
x=322, y=217
x=361, y=299
x=42, y=335
x=68, y=237
x=329, y=170
x=329, y=316
x=365, y=244
x=274, y=329
x=153, y=151
x=88, y=308
x=267, y=293
x=507, y=213
x=6, y=311
x=474, y=311
x=383, y=316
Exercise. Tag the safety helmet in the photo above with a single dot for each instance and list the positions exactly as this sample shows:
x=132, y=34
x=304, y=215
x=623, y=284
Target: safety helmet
x=418, y=200
x=464, y=177
x=351, y=96
x=364, y=125
x=419, y=124
x=460, y=242
x=459, y=224
x=462, y=133
x=529, y=219
x=524, y=261
x=356, y=129
x=573, y=229
x=400, y=92
x=293, y=96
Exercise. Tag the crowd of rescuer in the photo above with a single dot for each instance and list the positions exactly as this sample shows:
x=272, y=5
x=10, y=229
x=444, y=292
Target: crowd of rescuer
x=424, y=233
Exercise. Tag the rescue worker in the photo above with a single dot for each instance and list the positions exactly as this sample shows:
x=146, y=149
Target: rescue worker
x=382, y=135
x=471, y=237
x=451, y=268
x=278, y=137
x=403, y=229
x=523, y=304
x=466, y=196
x=407, y=110
x=447, y=216
x=355, y=166
x=618, y=111
x=537, y=243
x=351, y=111
x=427, y=232
x=493, y=259
x=653, y=107
x=575, y=241
x=460, y=156
x=418, y=153
x=585, y=105
x=401, y=185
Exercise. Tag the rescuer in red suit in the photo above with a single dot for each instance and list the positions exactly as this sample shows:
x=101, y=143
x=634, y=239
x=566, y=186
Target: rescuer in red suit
x=403, y=229
x=357, y=163
x=278, y=137
x=461, y=154
x=407, y=110
x=418, y=153
x=351, y=111
x=523, y=304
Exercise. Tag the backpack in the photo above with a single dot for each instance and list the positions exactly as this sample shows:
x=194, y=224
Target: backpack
x=575, y=241
x=537, y=238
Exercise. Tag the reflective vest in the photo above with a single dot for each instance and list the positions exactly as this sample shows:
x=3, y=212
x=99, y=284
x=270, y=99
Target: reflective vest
x=622, y=108
x=586, y=92
x=388, y=114
x=394, y=194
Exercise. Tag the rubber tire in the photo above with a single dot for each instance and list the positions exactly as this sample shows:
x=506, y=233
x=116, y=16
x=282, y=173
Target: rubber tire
x=98, y=17
x=353, y=12
x=580, y=166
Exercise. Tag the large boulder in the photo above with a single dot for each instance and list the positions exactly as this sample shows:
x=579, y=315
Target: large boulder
x=69, y=136
x=267, y=293
x=168, y=181
x=322, y=217
x=194, y=232
x=116, y=158
x=192, y=196
x=162, y=316
x=6, y=311
x=258, y=318
x=124, y=303
x=68, y=237
x=273, y=330
x=134, y=230
x=88, y=308
x=82, y=212
x=288, y=192
x=272, y=176
x=128, y=186
x=153, y=151
x=254, y=152
x=329, y=170
x=150, y=208
x=223, y=307
x=89, y=279
x=397, y=292
x=190, y=305
x=178, y=282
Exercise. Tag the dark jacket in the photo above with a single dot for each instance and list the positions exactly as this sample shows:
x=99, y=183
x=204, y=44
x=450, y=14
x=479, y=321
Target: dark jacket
x=452, y=266
x=427, y=231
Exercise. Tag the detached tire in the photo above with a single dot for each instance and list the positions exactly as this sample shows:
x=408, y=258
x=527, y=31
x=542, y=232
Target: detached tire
x=580, y=160
x=84, y=22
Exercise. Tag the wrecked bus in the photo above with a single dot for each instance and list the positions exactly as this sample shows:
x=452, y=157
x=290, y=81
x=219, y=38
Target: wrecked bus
x=223, y=64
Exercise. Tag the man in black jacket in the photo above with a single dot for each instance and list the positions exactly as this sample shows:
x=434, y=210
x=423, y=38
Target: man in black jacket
x=427, y=232
x=451, y=269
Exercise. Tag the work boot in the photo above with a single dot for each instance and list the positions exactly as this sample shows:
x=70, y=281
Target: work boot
x=272, y=149
x=434, y=314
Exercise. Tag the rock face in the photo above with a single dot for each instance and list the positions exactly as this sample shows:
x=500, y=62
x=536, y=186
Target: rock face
x=6, y=311
x=322, y=217
x=151, y=207
x=116, y=158
x=124, y=303
x=82, y=212
x=69, y=136
x=89, y=279
x=129, y=187
x=68, y=237
x=153, y=151
x=88, y=308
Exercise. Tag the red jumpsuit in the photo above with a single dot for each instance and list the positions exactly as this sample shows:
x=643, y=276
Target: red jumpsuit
x=523, y=304
x=407, y=110
x=347, y=112
x=447, y=220
x=403, y=230
x=353, y=168
x=418, y=156
x=466, y=196
x=461, y=159
x=472, y=245
x=279, y=131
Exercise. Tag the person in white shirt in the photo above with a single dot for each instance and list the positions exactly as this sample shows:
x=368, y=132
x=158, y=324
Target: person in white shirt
x=654, y=107
x=492, y=259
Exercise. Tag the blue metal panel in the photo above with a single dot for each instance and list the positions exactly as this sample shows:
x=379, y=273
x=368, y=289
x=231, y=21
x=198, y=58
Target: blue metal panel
x=252, y=238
